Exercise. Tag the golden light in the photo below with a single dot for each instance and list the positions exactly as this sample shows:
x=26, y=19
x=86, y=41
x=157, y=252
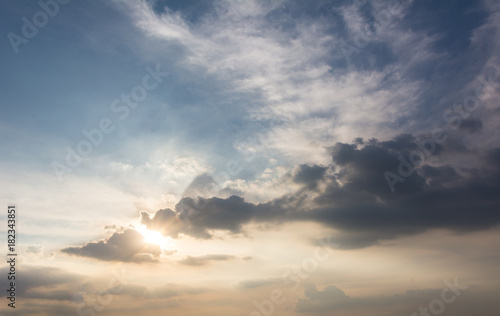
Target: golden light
x=152, y=237
x=156, y=238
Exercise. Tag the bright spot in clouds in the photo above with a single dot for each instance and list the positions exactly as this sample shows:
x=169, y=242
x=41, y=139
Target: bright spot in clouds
x=156, y=238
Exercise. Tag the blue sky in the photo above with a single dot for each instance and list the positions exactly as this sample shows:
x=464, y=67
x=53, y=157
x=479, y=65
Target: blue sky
x=254, y=130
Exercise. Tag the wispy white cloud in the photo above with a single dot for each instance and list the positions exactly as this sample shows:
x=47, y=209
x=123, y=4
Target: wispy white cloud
x=288, y=72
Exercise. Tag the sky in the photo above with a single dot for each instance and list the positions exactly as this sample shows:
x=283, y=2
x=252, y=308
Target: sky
x=249, y=158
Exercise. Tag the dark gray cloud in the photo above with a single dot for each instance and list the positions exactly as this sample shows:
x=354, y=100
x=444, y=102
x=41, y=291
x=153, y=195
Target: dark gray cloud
x=203, y=260
x=471, y=125
x=197, y=216
x=47, y=294
x=42, y=282
x=439, y=176
x=354, y=239
x=361, y=167
x=431, y=197
x=333, y=298
x=126, y=246
x=34, y=308
x=357, y=200
x=59, y=292
x=309, y=175
x=466, y=300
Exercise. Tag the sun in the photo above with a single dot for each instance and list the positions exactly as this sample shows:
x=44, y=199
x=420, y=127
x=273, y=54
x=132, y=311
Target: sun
x=152, y=237
x=156, y=238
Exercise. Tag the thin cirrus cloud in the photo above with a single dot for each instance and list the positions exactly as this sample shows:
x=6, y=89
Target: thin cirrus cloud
x=393, y=91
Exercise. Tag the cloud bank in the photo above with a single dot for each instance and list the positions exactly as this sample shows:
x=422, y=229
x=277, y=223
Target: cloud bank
x=354, y=197
x=126, y=246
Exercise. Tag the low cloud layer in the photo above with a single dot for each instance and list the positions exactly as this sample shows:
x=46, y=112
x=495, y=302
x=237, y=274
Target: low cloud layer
x=454, y=298
x=43, y=282
x=356, y=199
x=126, y=246
x=203, y=260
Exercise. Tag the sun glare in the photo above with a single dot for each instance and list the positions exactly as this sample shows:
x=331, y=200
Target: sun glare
x=152, y=237
x=156, y=238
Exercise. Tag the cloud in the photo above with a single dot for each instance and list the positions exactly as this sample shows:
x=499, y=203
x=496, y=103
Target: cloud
x=203, y=185
x=356, y=200
x=196, y=216
x=331, y=297
x=60, y=292
x=34, y=249
x=309, y=175
x=471, y=125
x=43, y=282
x=46, y=294
x=358, y=203
x=288, y=67
x=251, y=284
x=298, y=77
x=283, y=62
x=126, y=246
x=203, y=260
x=165, y=291
x=57, y=309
